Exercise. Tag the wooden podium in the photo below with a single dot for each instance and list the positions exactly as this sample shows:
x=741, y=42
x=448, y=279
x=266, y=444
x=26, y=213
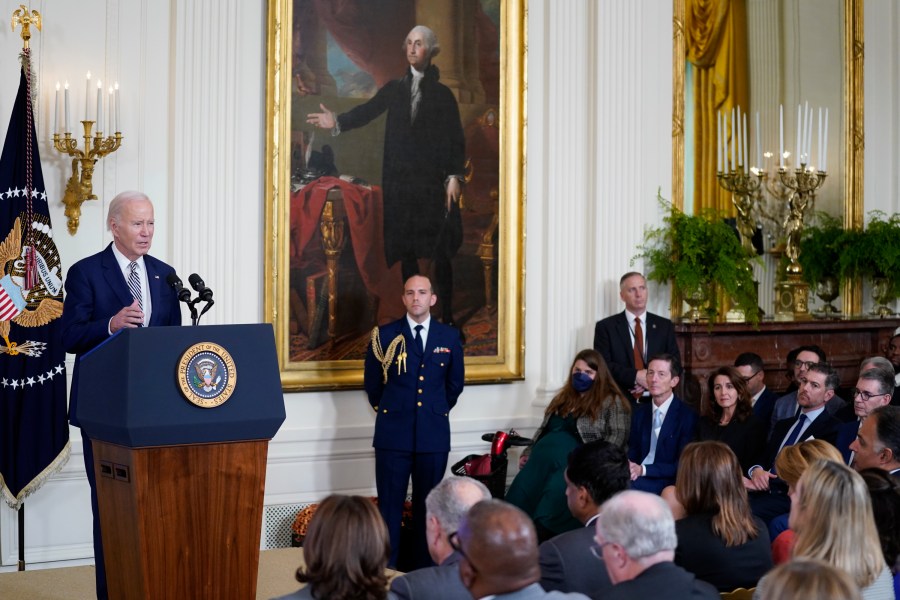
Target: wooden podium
x=180, y=486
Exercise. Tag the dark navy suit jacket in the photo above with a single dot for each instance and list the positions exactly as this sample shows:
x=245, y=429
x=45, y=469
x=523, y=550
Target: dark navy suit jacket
x=95, y=291
x=413, y=407
x=677, y=431
x=764, y=406
x=825, y=427
x=612, y=339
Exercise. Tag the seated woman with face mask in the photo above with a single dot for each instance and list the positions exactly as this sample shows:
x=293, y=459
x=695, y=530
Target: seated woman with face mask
x=589, y=407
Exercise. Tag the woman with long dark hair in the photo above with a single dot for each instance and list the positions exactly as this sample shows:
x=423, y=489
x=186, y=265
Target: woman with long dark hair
x=727, y=416
x=589, y=407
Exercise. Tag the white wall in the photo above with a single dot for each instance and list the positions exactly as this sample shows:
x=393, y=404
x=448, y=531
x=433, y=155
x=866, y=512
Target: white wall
x=192, y=76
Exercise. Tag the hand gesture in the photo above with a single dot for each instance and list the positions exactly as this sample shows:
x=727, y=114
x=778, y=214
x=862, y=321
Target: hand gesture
x=130, y=316
x=323, y=120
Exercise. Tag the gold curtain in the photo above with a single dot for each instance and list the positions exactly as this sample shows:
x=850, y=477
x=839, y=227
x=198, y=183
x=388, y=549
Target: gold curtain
x=716, y=40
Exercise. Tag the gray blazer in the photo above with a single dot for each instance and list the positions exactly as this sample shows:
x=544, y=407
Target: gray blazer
x=536, y=592
x=567, y=564
x=433, y=583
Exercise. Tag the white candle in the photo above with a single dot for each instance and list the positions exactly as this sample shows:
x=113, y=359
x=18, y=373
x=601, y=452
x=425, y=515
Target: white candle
x=758, y=145
x=819, y=140
x=808, y=144
x=781, y=135
x=733, y=142
x=99, y=105
x=740, y=141
x=112, y=112
x=87, y=97
x=56, y=110
x=117, y=106
x=718, y=141
x=67, y=107
x=799, y=125
x=825, y=145
x=746, y=142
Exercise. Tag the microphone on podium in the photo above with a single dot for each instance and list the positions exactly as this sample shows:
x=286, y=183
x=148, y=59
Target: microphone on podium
x=175, y=283
x=203, y=293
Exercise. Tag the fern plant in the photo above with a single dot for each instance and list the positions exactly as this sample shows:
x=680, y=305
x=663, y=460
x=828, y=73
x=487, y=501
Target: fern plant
x=695, y=251
x=874, y=252
x=821, y=248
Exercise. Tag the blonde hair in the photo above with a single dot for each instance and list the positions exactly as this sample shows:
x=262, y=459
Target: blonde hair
x=835, y=521
x=792, y=461
x=709, y=480
x=807, y=579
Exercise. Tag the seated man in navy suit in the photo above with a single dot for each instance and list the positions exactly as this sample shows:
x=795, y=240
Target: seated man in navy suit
x=445, y=506
x=788, y=407
x=595, y=472
x=768, y=494
x=120, y=287
x=874, y=388
x=750, y=366
x=659, y=429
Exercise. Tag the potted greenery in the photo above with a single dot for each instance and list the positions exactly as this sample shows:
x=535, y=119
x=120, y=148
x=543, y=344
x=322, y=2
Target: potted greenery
x=696, y=251
x=875, y=253
x=821, y=248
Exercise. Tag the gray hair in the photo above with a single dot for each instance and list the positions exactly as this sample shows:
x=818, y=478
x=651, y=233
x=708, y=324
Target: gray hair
x=884, y=377
x=121, y=199
x=432, y=47
x=641, y=523
x=875, y=362
x=448, y=501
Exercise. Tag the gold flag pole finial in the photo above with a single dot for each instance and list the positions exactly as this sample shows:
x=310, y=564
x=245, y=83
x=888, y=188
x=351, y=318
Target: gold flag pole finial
x=26, y=20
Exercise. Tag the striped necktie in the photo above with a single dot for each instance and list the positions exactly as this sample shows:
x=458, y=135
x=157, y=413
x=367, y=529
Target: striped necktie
x=134, y=284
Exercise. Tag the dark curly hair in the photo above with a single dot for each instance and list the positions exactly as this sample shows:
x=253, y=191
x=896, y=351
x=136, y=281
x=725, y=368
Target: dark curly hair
x=885, y=492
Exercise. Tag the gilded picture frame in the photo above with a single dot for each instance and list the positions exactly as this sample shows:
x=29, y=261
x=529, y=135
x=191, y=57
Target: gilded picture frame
x=318, y=294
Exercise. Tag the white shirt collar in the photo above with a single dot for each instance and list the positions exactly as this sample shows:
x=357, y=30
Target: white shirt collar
x=756, y=396
x=124, y=261
x=412, y=324
x=631, y=317
x=664, y=407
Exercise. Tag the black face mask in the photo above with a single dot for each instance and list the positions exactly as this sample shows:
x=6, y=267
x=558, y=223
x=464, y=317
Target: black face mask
x=581, y=382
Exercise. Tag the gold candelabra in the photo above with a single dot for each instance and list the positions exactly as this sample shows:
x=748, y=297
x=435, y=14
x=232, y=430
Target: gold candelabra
x=79, y=187
x=802, y=182
x=744, y=188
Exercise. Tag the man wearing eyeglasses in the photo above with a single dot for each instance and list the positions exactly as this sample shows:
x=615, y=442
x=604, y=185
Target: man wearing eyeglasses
x=787, y=407
x=636, y=541
x=750, y=366
x=445, y=507
x=874, y=388
x=498, y=545
x=877, y=444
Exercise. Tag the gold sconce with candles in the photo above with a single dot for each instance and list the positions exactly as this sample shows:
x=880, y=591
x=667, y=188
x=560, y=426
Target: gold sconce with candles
x=79, y=187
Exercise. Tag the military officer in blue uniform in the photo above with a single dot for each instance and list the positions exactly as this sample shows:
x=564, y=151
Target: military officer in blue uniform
x=414, y=374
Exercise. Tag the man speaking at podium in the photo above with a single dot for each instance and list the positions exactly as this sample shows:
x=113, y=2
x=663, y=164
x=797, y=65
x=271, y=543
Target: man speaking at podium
x=117, y=288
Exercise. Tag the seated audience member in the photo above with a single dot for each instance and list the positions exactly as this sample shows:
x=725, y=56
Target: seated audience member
x=596, y=471
x=636, y=542
x=807, y=579
x=728, y=417
x=787, y=406
x=768, y=497
x=499, y=552
x=874, y=388
x=893, y=355
x=626, y=339
x=589, y=407
x=790, y=465
x=719, y=540
x=884, y=490
x=831, y=514
x=346, y=552
x=750, y=366
x=445, y=506
x=877, y=444
x=660, y=428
